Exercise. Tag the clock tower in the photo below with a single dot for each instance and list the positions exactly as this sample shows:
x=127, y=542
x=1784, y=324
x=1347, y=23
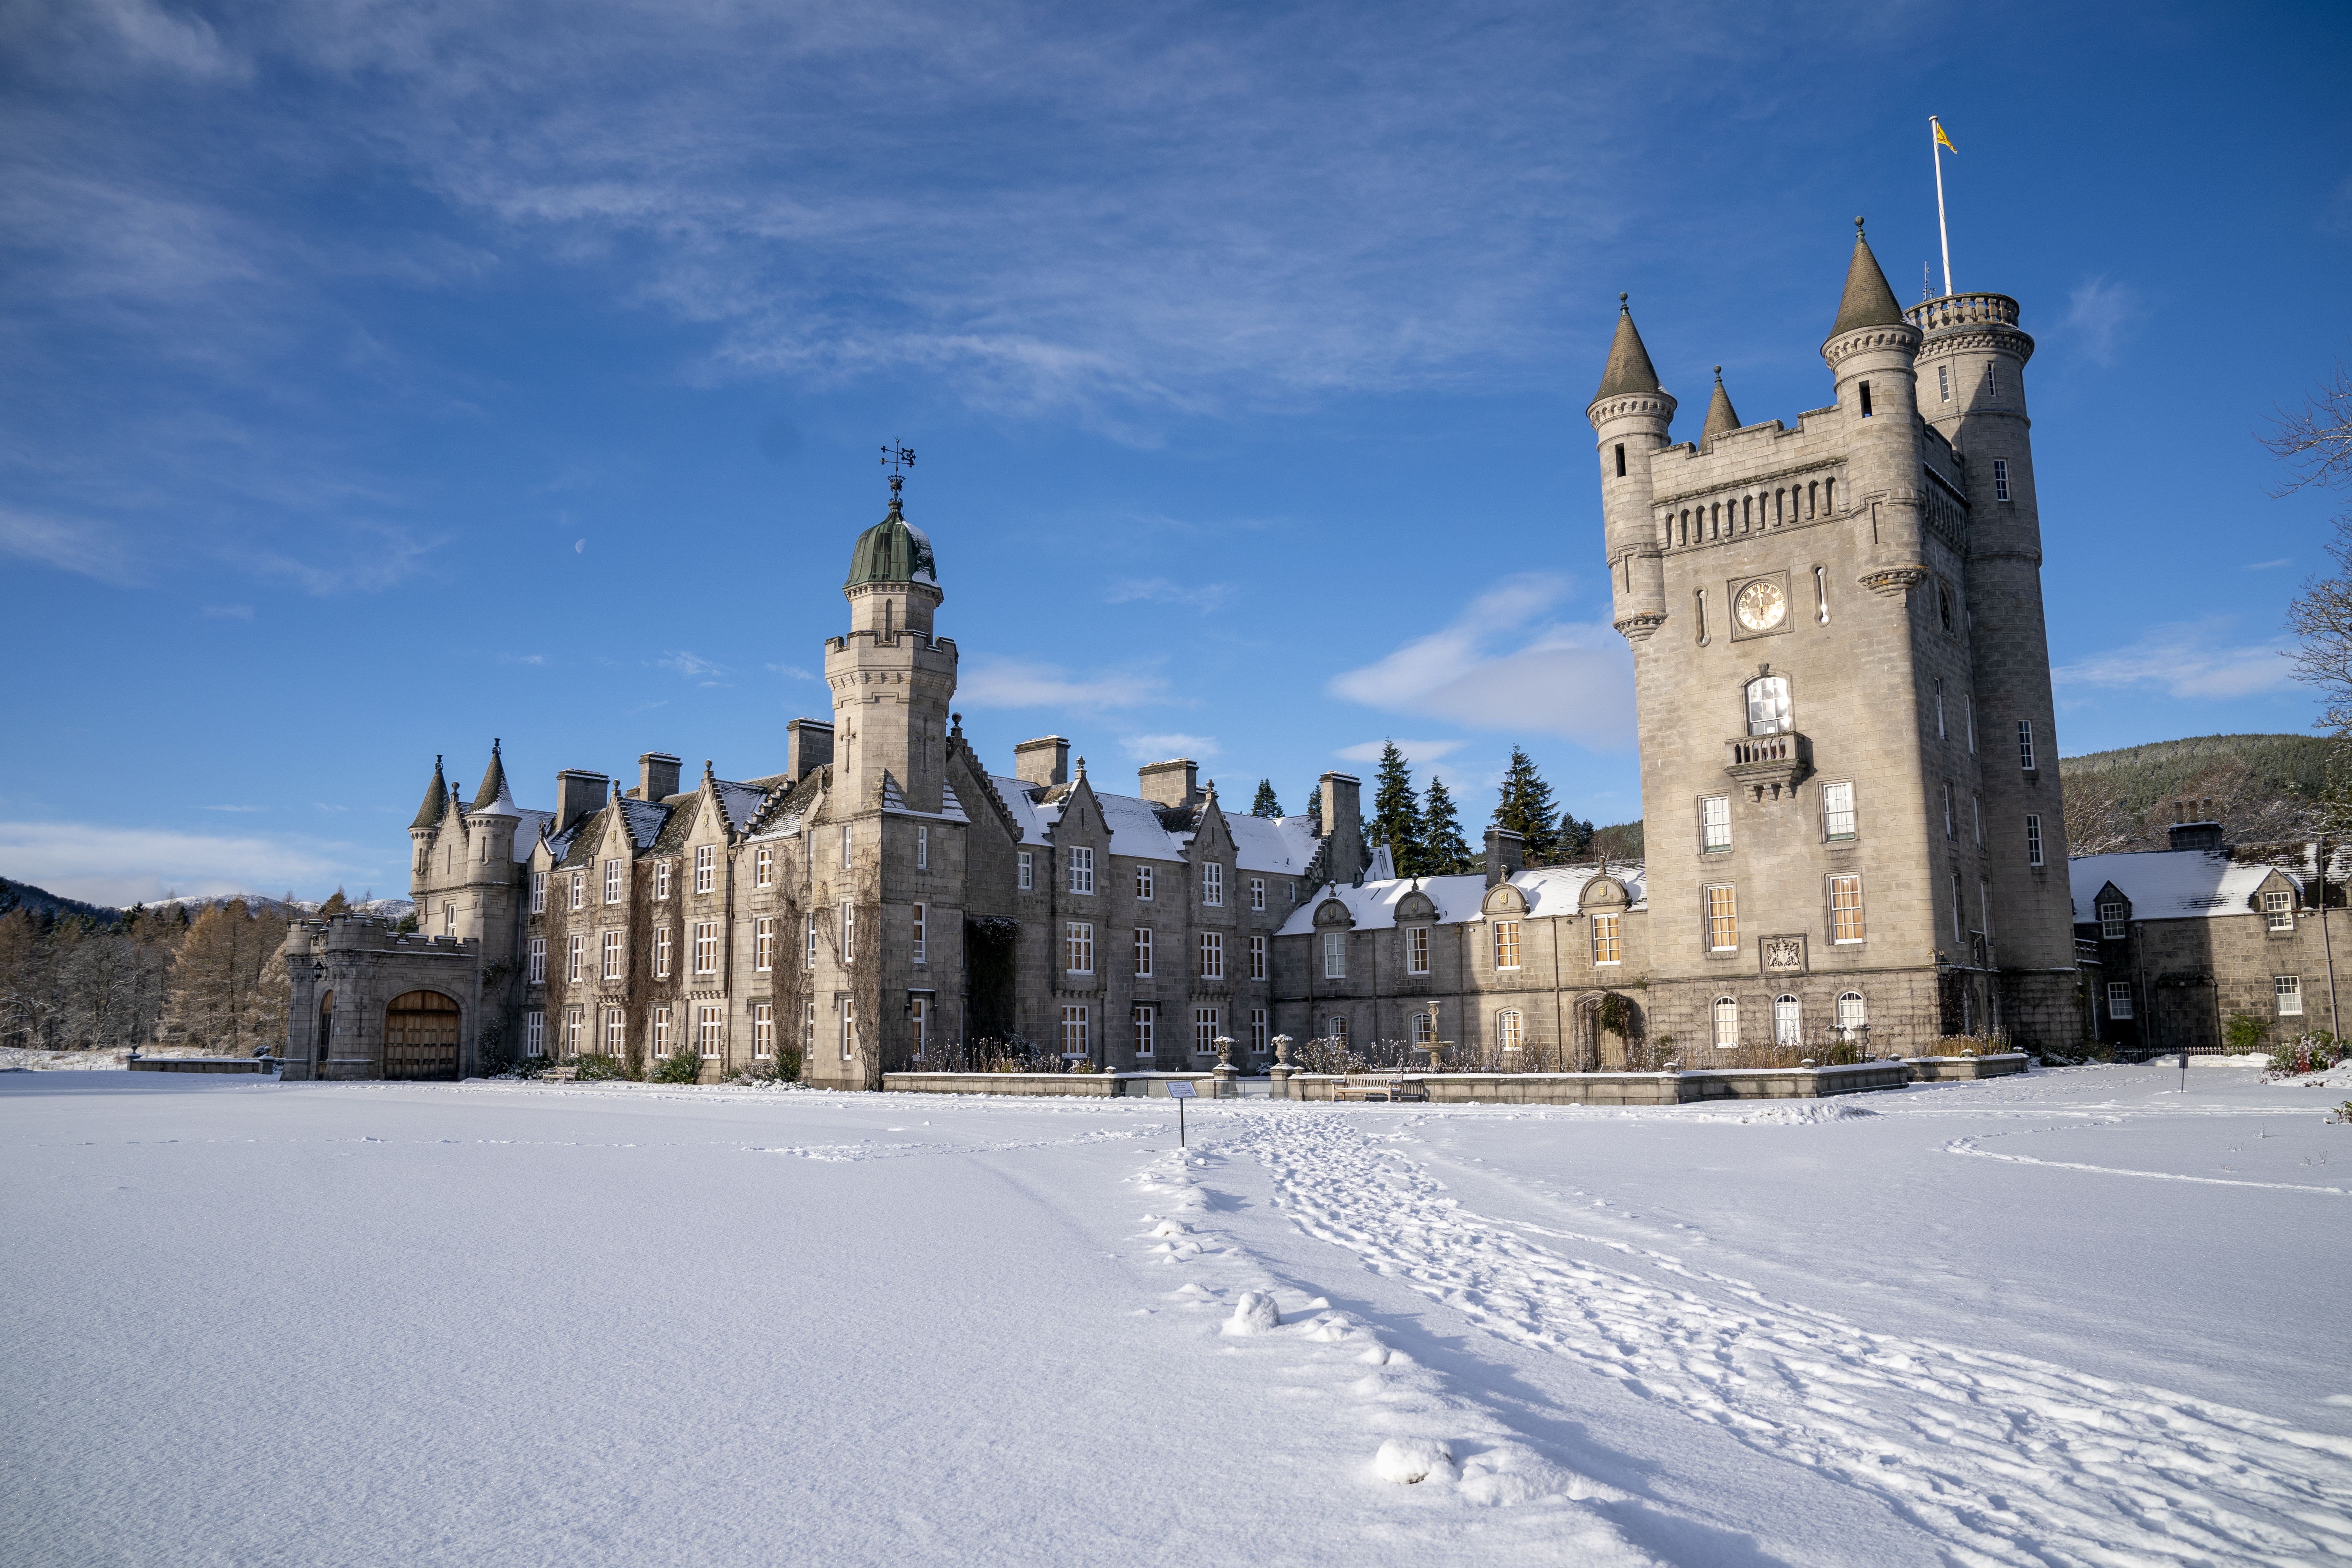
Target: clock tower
x=1849, y=771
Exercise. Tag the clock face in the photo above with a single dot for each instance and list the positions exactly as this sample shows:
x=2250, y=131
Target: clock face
x=1761, y=605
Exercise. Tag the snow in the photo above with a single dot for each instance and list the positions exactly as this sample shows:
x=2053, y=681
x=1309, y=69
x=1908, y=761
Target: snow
x=1280, y=844
x=2077, y=1317
x=2170, y=884
x=1549, y=889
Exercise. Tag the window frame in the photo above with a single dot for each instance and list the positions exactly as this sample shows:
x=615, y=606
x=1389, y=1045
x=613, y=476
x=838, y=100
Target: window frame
x=1845, y=900
x=1723, y=1017
x=535, y=962
x=1416, y=949
x=2034, y=854
x=575, y=959
x=1257, y=955
x=1205, y=1023
x=2120, y=991
x=579, y=890
x=1143, y=1018
x=1510, y=1029
x=1143, y=952
x=763, y=1030
x=1608, y=941
x=1788, y=1020
x=538, y=892
x=2025, y=747
x=613, y=956
x=613, y=882
x=1831, y=812
x=2000, y=478
x=1213, y=884
x=763, y=867
x=1721, y=916
x=1508, y=958
x=1026, y=867
x=1081, y=869
x=1078, y=947
x=710, y=1031
x=919, y=934
x=2114, y=927
x=2285, y=987
x=1334, y=955
x=1257, y=893
x=661, y=952
x=1714, y=824
x=922, y=847
x=2278, y=910
x=763, y=943
x=1143, y=882
x=705, y=947
x=1076, y=1036
x=706, y=869
x=1211, y=947
x=661, y=882
x=615, y=1032
x=534, y=1032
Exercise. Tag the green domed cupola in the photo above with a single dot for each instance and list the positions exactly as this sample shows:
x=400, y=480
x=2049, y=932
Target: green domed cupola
x=892, y=550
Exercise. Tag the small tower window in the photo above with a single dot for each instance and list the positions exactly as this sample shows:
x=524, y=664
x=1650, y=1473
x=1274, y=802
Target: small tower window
x=1944, y=610
x=1620, y=460
x=2000, y=478
x=1702, y=617
x=1821, y=595
x=1992, y=380
x=1944, y=382
x=1865, y=400
x=2025, y=744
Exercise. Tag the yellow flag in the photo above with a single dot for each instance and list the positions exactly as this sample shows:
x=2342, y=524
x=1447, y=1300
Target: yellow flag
x=1945, y=141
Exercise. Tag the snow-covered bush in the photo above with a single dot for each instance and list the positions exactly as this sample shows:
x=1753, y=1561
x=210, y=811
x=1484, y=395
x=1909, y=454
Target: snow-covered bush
x=2314, y=1052
x=592, y=1067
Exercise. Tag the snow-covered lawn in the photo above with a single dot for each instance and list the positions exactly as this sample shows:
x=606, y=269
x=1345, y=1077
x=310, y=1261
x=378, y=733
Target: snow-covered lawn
x=2079, y=1316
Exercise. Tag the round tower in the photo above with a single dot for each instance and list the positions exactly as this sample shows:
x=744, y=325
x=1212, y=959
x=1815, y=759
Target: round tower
x=1630, y=415
x=422, y=829
x=1873, y=352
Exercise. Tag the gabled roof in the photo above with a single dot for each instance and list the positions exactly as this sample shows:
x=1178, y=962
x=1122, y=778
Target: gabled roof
x=1284, y=846
x=951, y=808
x=1548, y=889
x=2171, y=884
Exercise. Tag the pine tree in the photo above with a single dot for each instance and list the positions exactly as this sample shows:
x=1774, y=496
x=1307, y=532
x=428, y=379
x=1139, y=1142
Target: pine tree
x=1442, y=851
x=1575, y=839
x=1396, y=812
x=1266, y=805
x=335, y=905
x=1526, y=809
x=1315, y=811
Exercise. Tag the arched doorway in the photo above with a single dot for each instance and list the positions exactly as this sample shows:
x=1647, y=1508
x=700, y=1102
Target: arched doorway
x=326, y=1028
x=420, y=1036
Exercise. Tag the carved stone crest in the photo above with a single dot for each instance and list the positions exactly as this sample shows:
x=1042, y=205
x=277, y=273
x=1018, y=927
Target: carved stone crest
x=1783, y=954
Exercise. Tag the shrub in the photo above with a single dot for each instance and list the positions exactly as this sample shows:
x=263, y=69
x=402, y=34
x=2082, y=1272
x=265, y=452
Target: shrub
x=2243, y=1033
x=681, y=1065
x=785, y=1068
x=2315, y=1052
x=592, y=1067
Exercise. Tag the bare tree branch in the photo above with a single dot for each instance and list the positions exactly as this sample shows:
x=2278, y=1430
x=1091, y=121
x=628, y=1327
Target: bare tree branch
x=2316, y=440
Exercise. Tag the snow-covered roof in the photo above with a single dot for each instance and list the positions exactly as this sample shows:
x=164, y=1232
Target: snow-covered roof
x=2170, y=884
x=1136, y=830
x=526, y=832
x=1281, y=845
x=1021, y=799
x=741, y=802
x=1548, y=889
x=951, y=808
x=645, y=818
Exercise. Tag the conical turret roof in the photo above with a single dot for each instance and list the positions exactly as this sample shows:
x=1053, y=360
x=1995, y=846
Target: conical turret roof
x=436, y=800
x=494, y=780
x=1868, y=302
x=892, y=550
x=1720, y=418
x=1629, y=368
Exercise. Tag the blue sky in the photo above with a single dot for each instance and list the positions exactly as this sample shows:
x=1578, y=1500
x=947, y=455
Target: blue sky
x=387, y=377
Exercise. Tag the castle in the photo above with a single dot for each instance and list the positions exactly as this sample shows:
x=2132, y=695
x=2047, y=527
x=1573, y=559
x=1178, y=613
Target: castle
x=1849, y=785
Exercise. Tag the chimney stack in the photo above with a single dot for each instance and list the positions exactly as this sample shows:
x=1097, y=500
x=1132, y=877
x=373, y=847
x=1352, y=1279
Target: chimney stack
x=577, y=792
x=1175, y=784
x=1343, y=825
x=808, y=746
x=1044, y=762
x=1505, y=853
x=657, y=775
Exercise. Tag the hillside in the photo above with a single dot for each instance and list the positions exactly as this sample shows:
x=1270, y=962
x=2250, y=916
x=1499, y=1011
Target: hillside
x=2262, y=789
x=40, y=901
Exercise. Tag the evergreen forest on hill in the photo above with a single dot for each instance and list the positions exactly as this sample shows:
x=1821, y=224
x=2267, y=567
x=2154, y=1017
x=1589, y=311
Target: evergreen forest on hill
x=2264, y=789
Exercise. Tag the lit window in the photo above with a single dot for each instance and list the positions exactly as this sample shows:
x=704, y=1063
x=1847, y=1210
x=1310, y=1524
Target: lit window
x=1837, y=811
x=2000, y=478
x=764, y=1028
x=1257, y=957
x=1727, y=1022
x=661, y=879
x=1204, y=1031
x=534, y=1034
x=1212, y=955
x=1608, y=945
x=710, y=1032
x=2288, y=989
x=1143, y=883
x=705, y=868
x=1506, y=944
x=1143, y=952
x=1028, y=873
x=2278, y=911
x=612, y=956
x=1074, y=1030
x=615, y=1032
x=763, y=868
x=2032, y=839
x=611, y=881
x=1078, y=947
x=922, y=847
x=2119, y=999
x=1788, y=1021
x=1850, y=1015
x=920, y=953
x=1143, y=1022
x=1715, y=824
x=538, y=892
x=2111, y=921
x=1334, y=955
x=705, y=947
x=1508, y=1029
x=537, y=972
x=1722, y=921
x=763, y=942
x=1082, y=870
x=661, y=953
x=2025, y=744
x=1845, y=909
x=1767, y=705
x=575, y=959
x=1212, y=885
x=1416, y=949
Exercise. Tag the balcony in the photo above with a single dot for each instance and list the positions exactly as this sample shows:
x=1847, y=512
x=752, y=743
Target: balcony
x=1768, y=764
x=1963, y=311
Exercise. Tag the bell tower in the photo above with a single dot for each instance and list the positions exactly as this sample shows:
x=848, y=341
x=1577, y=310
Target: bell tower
x=892, y=680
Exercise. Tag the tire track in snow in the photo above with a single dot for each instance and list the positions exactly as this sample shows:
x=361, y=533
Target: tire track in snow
x=1969, y=1146
x=2004, y=1458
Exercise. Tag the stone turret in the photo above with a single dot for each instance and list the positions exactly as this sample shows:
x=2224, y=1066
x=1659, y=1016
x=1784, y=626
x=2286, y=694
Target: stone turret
x=1721, y=418
x=892, y=680
x=1631, y=414
x=1871, y=350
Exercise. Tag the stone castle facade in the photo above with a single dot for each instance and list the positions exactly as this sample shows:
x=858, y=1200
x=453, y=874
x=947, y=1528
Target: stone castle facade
x=1850, y=791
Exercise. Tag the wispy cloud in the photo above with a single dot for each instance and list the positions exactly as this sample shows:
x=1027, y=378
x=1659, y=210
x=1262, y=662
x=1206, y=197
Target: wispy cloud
x=1018, y=683
x=109, y=865
x=2202, y=659
x=92, y=549
x=2099, y=317
x=791, y=672
x=1418, y=752
x=1166, y=748
x=1206, y=597
x=2268, y=565
x=1505, y=664
x=694, y=666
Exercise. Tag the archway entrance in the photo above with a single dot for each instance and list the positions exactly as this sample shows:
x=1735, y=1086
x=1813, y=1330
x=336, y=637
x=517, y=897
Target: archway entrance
x=326, y=1029
x=420, y=1036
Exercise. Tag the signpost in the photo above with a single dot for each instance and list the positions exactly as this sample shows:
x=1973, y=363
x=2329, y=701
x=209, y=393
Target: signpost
x=1180, y=1092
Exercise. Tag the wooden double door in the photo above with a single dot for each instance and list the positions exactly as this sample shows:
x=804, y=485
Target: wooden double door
x=420, y=1036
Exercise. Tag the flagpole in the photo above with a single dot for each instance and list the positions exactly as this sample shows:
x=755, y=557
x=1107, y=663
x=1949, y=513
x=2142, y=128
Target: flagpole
x=1943, y=232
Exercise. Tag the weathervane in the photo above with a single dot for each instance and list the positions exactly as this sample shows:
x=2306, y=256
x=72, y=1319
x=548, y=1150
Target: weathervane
x=897, y=459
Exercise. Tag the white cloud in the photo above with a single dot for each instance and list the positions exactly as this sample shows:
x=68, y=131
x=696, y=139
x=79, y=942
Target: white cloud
x=1166, y=748
x=791, y=672
x=2268, y=565
x=1505, y=664
x=106, y=865
x=1418, y=752
x=184, y=44
x=690, y=665
x=2186, y=659
x=1205, y=597
x=1020, y=683
x=91, y=548
x=2099, y=315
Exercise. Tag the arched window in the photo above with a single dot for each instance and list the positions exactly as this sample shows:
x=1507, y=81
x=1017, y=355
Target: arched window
x=1339, y=1031
x=1944, y=603
x=1779, y=507
x=1787, y=1021
x=1812, y=500
x=1767, y=705
x=1849, y=1013
x=1508, y=1029
x=1727, y=1022
x=1829, y=497
x=1423, y=1032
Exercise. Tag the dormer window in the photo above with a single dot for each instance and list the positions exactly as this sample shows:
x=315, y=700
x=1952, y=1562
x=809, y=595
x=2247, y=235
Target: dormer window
x=1212, y=885
x=1082, y=870
x=2111, y=920
x=611, y=881
x=661, y=882
x=2278, y=910
x=1767, y=705
x=705, y=868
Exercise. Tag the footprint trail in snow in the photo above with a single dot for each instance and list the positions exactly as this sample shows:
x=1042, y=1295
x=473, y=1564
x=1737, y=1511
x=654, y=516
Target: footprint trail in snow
x=2004, y=1458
